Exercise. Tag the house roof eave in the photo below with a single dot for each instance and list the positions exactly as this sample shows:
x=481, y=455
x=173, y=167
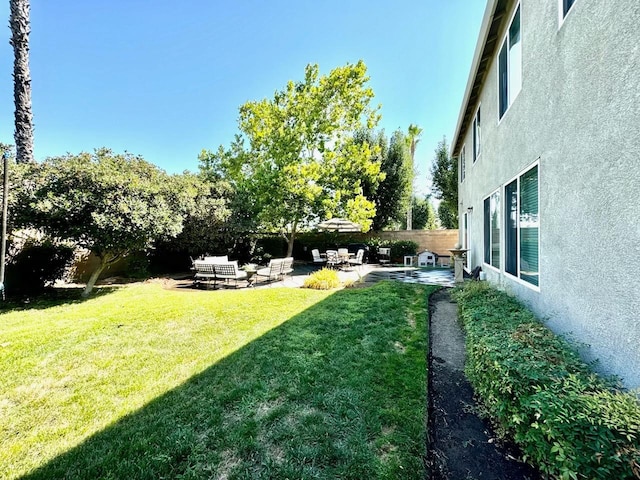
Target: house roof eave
x=485, y=49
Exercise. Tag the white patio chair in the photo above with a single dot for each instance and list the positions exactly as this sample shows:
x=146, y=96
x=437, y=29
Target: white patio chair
x=384, y=255
x=273, y=271
x=357, y=261
x=317, y=258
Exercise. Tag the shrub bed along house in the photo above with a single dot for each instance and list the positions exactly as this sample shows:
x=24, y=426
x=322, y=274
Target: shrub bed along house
x=568, y=421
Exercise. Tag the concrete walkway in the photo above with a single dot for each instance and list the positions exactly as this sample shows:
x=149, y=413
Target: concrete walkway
x=461, y=445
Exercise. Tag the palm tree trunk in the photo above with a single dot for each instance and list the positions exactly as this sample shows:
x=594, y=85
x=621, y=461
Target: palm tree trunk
x=20, y=30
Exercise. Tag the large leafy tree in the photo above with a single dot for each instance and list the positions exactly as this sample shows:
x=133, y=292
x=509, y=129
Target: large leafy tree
x=20, y=30
x=296, y=157
x=390, y=193
x=445, y=185
x=111, y=204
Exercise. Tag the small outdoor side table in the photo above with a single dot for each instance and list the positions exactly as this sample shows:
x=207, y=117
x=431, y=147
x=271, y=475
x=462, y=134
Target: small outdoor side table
x=251, y=271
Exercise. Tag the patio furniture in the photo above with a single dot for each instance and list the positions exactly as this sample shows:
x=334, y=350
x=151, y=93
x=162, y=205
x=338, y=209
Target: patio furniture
x=204, y=271
x=384, y=255
x=217, y=259
x=273, y=271
x=358, y=258
x=343, y=256
x=229, y=271
x=332, y=258
x=251, y=269
x=287, y=266
x=317, y=258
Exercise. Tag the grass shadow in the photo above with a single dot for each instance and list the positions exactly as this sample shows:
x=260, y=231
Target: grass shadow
x=338, y=391
x=52, y=297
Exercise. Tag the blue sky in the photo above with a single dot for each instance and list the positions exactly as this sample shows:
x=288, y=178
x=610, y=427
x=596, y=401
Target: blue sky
x=164, y=79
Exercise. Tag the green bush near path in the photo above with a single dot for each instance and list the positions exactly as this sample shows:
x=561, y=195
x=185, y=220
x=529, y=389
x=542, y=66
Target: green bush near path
x=568, y=421
x=140, y=382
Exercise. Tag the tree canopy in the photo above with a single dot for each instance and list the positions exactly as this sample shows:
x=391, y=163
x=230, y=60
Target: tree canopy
x=424, y=217
x=295, y=156
x=392, y=191
x=445, y=185
x=111, y=204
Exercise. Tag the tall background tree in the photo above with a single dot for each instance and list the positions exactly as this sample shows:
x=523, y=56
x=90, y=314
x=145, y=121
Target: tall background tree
x=296, y=157
x=424, y=217
x=413, y=137
x=20, y=30
x=445, y=185
x=391, y=193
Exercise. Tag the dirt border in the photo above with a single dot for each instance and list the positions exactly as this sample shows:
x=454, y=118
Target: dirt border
x=460, y=445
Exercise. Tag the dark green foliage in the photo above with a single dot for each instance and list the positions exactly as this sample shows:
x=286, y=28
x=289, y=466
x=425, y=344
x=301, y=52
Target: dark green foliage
x=568, y=421
x=448, y=215
x=391, y=195
x=445, y=185
x=400, y=248
x=423, y=216
x=37, y=265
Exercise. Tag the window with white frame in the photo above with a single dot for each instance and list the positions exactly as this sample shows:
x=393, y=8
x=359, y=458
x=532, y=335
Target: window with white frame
x=462, y=164
x=565, y=6
x=510, y=65
x=522, y=227
x=492, y=230
x=476, y=135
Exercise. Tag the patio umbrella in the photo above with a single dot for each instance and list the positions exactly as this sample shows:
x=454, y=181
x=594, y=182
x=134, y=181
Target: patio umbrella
x=339, y=225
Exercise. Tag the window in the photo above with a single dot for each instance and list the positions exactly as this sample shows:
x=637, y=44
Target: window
x=522, y=224
x=492, y=230
x=566, y=6
x=462, y=164
x=510, y=66
x=476, y=136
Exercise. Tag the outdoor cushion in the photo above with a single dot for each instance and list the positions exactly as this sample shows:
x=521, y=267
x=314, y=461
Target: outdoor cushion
x=218, y=259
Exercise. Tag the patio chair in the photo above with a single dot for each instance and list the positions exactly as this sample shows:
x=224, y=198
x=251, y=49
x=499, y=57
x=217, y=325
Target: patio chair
x=358, y=260
x=204, y=272
x=332, y=258
x=287, y=266
x=229, y=271
x=273, y=271
x=384, y=255
x=217, y=259
x=317, y=258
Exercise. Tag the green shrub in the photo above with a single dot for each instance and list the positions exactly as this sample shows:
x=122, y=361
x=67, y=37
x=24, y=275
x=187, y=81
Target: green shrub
x=38, y=264
x=400, y=248
x=568, y=421
x=324, y=279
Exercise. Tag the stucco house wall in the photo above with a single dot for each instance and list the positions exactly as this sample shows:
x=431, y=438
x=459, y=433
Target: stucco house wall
x=578, y=116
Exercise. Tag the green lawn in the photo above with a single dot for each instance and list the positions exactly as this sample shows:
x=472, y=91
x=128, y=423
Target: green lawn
x=142, y=382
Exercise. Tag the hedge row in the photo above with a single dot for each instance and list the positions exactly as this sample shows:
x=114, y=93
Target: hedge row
x=568, y=421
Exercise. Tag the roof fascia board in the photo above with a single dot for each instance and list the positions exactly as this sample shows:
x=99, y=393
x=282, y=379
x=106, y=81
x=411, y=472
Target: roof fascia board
x=487, y=20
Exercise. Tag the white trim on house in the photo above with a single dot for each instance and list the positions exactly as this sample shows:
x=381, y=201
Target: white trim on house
x=561, y=15
x=500, y=192
x=503, y=239
x=505, y=38
x=463, y=163
x=476, y=134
